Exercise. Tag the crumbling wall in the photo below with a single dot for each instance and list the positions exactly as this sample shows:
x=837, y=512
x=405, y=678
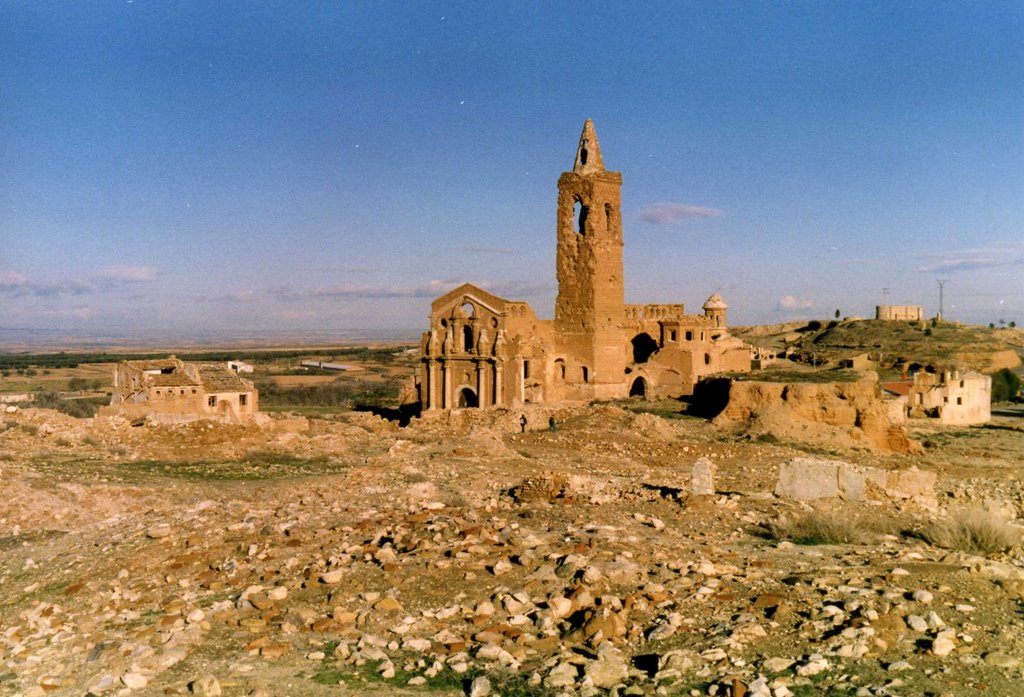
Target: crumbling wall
x=814, y=411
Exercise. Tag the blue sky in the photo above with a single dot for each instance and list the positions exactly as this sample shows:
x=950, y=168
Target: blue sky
x=187, y=169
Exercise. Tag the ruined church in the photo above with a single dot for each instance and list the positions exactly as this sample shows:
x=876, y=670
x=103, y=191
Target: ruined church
x=485, y=351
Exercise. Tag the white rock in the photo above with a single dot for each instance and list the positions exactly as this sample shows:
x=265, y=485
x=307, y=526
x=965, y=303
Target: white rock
x=332, y=577
x=480, y=687
x=814, y=666
x=562, y=675
x=134, y=681
x=923, y=596
x=206, y=686
x=942, y=645
x=917, y=623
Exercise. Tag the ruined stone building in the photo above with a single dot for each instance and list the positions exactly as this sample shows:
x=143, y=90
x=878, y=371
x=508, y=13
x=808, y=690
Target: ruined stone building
x=173, y=387
x=910, y=313
x=952, y=397
x=482, y=350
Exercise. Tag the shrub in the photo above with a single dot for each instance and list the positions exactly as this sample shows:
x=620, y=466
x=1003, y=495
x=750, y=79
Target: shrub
x=79, y=408
x=973, y=530
x=817, y=528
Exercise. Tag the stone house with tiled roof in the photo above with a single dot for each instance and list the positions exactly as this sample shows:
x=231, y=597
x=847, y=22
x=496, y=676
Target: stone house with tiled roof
x=171, y=386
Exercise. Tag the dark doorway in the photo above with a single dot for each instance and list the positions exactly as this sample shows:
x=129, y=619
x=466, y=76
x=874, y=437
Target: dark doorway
x=638, y=388
x=643, y=346
x=467, y=399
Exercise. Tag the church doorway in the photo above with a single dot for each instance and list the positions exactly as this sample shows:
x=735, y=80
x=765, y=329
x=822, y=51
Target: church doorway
x=638, y=388
x=467, y=399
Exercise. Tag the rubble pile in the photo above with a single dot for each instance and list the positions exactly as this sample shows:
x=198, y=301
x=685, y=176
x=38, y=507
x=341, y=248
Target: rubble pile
x=574, y=562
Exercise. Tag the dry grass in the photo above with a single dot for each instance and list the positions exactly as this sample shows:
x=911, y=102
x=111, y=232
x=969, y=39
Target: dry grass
x=973, y=530
x=819, y=528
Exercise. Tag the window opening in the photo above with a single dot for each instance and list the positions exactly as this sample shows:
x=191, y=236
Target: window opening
x=467, y=338
x=242, y=399
x=211, y=401
x=586, y=375
x=579, y=212
x=526, y=369
x=643, y=346
x=707, y=359
x=608, y=216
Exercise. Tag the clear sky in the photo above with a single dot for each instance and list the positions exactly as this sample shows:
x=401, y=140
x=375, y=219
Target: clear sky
x=258, y=168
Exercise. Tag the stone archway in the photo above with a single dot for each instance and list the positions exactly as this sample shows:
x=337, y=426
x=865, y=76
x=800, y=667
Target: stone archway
x=466, y=399
x=638, y=388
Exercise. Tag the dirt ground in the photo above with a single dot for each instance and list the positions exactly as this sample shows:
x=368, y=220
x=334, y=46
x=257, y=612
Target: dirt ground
x=346, y=556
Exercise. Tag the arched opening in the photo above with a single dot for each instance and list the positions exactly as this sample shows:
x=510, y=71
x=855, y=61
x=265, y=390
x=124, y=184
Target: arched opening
x=467, y=399
x=643, y=346
x=468, y=309
x=467, y=338
x=586, y=375
x=583, y=152
x=579, y=214
x=638, y=388
x=608, y=216
x=560, y=368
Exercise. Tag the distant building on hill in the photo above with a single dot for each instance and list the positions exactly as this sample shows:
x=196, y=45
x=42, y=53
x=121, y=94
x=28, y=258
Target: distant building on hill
x=170, y=386
x=240, y=366
x=909, y=313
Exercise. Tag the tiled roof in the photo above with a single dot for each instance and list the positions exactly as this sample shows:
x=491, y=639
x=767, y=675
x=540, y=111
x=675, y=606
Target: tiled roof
x=176, y=379
x=155, y=364
x=217, y=378
x=901, y=387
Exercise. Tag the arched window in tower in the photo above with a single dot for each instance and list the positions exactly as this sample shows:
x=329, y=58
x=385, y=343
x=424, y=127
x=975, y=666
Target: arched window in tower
x=583, y=152
x=608, y=216
x=579, y=214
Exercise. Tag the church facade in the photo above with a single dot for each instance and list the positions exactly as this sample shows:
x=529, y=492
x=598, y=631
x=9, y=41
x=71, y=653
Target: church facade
x=485, y=351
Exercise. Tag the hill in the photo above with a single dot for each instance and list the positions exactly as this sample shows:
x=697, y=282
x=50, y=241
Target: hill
x=892, y=345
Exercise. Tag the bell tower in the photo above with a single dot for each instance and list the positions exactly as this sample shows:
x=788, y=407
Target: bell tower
x=590, y=308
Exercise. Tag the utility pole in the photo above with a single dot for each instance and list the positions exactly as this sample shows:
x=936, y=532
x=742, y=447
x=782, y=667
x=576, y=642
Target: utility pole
x=941, y=286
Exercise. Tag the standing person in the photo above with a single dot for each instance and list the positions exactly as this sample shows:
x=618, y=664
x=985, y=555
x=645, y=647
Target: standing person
x=551, y=424
x=522, y=423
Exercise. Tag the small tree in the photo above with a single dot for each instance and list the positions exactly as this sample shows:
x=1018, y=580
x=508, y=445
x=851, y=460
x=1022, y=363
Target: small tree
x=1012, y=324
x=991, y=325
x=1005, y=385
x=837, y=313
